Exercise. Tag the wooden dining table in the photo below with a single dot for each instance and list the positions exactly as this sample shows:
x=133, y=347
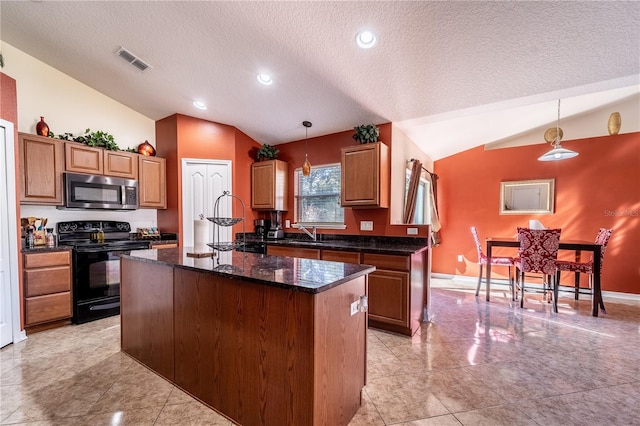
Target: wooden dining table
x=574, y=245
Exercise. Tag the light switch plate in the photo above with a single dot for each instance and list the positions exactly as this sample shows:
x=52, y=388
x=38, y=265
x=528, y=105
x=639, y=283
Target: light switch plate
x=412, y=231
x=287, y=223
x=366, y=225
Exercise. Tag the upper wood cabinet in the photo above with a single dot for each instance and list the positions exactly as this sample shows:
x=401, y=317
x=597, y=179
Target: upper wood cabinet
x=269, y=185
x=80, y=158
x=121, y=163
x=41, y=166
x=365, y=176
x=152, y=185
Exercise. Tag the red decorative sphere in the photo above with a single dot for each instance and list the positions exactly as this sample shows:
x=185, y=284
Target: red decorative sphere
x=146, y=149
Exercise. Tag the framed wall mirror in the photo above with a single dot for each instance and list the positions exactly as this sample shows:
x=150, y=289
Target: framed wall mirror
x=527, y=196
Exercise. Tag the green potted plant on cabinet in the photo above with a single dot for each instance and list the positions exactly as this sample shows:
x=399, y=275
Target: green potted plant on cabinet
x=267, y=152
x=366, y=133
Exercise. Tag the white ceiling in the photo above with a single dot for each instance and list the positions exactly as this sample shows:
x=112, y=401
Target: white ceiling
x=444, y=72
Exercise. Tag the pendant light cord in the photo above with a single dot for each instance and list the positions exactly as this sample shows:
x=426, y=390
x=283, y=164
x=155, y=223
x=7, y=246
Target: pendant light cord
x=556, y=142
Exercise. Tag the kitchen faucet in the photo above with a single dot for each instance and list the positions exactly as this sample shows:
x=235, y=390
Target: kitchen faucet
x=313, y=234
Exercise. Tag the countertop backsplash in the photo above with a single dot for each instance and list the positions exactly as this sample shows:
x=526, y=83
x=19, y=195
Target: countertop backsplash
x=141, y=218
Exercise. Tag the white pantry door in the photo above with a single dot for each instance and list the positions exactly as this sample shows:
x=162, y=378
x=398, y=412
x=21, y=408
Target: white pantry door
x=203, y=181
x=9, y=303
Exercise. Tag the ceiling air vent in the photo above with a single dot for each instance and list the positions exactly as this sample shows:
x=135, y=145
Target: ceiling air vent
x=132, y=59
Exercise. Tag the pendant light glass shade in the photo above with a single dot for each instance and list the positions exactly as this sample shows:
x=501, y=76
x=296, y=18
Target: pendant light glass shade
x=557, y=152
x=306, y=167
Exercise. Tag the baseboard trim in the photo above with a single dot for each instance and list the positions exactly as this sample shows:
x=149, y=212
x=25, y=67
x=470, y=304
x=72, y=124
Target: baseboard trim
x=473, y=281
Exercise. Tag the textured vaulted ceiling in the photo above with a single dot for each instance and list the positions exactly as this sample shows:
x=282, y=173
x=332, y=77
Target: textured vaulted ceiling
x=435, y=67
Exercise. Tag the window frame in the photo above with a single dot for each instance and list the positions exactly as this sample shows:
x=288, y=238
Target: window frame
x=296, y=197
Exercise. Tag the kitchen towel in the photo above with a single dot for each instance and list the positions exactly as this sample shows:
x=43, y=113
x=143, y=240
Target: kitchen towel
x=201, y=235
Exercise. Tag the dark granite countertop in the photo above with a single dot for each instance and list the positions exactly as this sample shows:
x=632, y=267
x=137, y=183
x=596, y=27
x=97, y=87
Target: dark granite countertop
x=43, y=249
x=307, y=275
x=365, y=244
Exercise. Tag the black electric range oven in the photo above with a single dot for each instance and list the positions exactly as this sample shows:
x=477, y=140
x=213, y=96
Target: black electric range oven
x=96, y=265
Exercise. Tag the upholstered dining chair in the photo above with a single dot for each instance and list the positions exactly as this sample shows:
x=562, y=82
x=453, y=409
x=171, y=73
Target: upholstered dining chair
x=495, y=261
x=587, y=267
x=537, y=254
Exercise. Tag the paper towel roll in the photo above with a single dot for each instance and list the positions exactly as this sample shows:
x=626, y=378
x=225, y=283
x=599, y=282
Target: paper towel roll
x=200, y=235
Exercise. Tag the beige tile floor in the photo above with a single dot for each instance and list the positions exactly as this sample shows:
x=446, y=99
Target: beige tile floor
x=476, y=363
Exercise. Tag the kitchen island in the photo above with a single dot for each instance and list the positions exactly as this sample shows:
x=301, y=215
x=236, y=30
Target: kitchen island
x=263, y=340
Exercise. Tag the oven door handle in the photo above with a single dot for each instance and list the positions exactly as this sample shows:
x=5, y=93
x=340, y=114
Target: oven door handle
x=104, y=307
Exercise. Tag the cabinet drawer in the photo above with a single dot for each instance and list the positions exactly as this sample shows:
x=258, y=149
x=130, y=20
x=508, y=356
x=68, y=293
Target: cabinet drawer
x=41, y=260
x=164, y=246
x=293, y=252
x=47, y=280
x=341, y=256
x=387, y=261
x=47, y=308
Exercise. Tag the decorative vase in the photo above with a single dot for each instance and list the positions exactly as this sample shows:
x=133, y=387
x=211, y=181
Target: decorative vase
x=615, y=121
x=42, y=128
x=146, y=149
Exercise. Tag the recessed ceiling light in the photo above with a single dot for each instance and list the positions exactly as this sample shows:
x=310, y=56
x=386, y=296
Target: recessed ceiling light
x=199, y=105
x=366, y=39
x=265, y=79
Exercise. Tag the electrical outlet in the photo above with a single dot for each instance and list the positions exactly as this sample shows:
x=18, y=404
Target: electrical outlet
x=460, y=258
x=287, y=223
x=366, y=225
x=354, y=308
x=412, y=231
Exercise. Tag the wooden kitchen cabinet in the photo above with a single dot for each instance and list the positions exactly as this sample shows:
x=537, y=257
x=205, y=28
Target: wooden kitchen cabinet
x=121, y=163
x=47, y=287
x=341, y=256
x=41, y=166
x=269, y=185
x=80, y=158
x=306, y=253
x=396, y=291
x=365, y=176
x=152, y=185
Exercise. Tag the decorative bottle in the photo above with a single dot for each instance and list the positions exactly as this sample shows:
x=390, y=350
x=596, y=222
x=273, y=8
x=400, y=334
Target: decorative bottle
x=42, y=128
x=51, y=239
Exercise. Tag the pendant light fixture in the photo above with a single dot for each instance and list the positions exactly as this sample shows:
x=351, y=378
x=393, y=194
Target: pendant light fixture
x=306, y=167
x=557, y=152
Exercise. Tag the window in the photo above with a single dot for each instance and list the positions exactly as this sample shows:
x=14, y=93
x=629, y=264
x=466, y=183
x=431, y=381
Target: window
x=422, y=200
x=317, y=196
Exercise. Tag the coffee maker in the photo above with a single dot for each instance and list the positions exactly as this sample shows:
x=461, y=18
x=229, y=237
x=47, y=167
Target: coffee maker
x=275, y=227
x=261, y=227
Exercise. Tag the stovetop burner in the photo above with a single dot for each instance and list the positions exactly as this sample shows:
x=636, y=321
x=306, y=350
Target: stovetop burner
x=83, y=233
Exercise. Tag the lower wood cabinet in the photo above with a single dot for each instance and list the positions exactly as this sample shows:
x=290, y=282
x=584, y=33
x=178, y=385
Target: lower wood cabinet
x=396, y=291
x=47, y=287
x=396, y=288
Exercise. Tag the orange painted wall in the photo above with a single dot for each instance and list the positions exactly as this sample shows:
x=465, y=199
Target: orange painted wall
x=326, y=150
x=9, y=112
x=599, y=188
x=180, y=136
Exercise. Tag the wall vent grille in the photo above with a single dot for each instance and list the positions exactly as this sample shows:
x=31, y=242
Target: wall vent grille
x=132, y=59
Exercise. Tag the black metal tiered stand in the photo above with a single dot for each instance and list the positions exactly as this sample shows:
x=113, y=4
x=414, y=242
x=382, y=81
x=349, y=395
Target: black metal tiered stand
x=218, y=245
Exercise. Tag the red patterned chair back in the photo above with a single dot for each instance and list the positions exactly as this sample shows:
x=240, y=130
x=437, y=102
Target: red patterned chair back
x=603, y=239
x=538, y=250
x=474, y=232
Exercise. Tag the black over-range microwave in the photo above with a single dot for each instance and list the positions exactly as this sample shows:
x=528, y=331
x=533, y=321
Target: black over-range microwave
x=100, y=192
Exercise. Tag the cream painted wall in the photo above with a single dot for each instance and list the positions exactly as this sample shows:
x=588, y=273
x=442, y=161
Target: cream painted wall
x=68, y=105
x=403, y=150
x=587, y=125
